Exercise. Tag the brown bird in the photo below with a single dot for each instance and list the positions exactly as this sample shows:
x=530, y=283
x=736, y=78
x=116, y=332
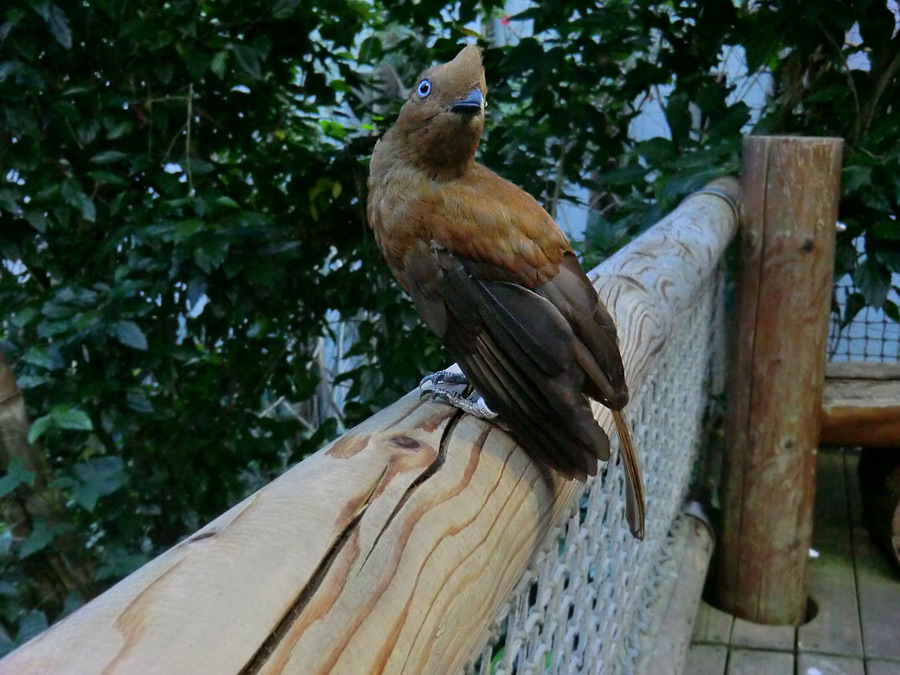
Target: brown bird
x=495, y=278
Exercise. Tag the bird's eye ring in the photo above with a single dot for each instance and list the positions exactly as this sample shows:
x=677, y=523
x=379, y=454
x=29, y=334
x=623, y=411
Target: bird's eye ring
x=424, y=88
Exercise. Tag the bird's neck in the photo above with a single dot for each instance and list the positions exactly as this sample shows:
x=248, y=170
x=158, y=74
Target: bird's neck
x=442, y=154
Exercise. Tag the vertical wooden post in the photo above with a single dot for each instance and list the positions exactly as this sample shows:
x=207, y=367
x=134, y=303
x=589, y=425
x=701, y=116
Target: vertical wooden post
x=789, y=196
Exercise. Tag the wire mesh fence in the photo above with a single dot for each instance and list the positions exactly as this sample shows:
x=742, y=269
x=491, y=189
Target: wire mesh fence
x=583, y=604
x=870, y=336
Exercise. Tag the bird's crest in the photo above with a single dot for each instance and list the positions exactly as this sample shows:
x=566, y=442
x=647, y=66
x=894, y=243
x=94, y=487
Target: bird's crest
x=461, y=75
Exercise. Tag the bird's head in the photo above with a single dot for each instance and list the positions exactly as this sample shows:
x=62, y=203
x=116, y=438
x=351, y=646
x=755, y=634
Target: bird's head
x=441, y=122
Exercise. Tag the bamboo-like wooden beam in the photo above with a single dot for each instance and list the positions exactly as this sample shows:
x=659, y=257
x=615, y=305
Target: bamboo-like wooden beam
x=390, y=550
x=671, y=639
x=861, y=405
x=784, y=282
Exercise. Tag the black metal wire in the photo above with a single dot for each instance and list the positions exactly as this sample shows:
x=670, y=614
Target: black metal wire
x=870, y=336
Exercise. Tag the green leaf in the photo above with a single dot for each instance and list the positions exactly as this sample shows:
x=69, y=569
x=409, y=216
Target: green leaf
x=97, y=478
x=108, y=157
x=119, y=563
x=873, y=280
x=31, y=381
x=333, y=129
x=138, y=401
x=887, y=229
x=24, y=317
x=282, y=9
x=86, y=496
x=108, y=178
x=854, y=305
x=119, y=130
x=38, y=427
x=15, y=476
x=892, y=311
x=43, y=358
x=56, y=21
x=42, y=533
x=37, y=219
x=211, y=254
x=9, y=201
x=227, y=202
x=88, y=210
x=888, y=254
x=31, y=625
x=217, y=65
x=199, y=167
x=678, y=115
x=195, y=59
x=130, y=335
x=67, y=417
x=855, y=176
x=249, y=59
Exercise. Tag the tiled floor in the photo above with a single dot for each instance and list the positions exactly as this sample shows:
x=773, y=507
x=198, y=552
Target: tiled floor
x=857, y=589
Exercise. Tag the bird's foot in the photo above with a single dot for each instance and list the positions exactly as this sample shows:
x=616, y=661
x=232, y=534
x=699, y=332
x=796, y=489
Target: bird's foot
x=473, y=404
x=429, y=382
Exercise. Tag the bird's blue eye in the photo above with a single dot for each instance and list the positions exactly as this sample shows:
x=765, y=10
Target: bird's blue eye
x=424, y=88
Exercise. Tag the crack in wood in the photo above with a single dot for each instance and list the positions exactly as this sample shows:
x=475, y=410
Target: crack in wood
x=270, y=644
x=428, y=473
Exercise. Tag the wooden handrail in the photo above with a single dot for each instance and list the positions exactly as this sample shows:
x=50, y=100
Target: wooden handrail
x=391, y=549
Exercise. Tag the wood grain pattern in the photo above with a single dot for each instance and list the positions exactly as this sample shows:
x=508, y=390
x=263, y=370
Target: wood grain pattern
x=861, y=405
x=704, y=660
x=752, y=662
x=862, y=370
x=835, y=628
x=786, y=258
x=391, y=550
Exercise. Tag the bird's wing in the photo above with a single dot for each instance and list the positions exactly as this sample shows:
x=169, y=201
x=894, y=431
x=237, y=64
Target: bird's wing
x=597, y=346
x=518, y=350
x=500, y=233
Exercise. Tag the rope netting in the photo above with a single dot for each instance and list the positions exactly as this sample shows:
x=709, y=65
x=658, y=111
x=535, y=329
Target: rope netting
x=583, y=605
x=870, y=335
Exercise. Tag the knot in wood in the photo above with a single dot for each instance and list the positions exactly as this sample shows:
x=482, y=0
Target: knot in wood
x=405, y=442
x=202, y=536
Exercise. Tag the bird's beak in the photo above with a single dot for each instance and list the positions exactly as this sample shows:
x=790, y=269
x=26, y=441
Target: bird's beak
x=470, y=105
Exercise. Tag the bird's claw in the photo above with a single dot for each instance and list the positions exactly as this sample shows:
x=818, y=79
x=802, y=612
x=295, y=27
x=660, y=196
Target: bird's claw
x=474, y=404
x=428, y=383
x=483, y=411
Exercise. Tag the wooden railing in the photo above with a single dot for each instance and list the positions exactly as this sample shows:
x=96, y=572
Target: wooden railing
x=391, y=549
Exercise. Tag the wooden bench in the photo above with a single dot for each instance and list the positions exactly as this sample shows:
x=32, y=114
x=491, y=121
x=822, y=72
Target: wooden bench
x=861, y=405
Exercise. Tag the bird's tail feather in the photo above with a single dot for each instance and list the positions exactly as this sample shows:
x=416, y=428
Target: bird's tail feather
x=634, y=483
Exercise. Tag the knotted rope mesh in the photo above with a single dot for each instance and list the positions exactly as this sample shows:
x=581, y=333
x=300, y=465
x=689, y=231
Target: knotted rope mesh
x=583, y=604
x=870, y=335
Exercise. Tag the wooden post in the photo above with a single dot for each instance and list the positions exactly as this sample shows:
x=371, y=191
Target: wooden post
x=784, y=283
x=392, y=549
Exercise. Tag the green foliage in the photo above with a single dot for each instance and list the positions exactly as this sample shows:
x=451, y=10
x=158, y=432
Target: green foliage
x=568, y=94
x=182, y=215
x=155, y=158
